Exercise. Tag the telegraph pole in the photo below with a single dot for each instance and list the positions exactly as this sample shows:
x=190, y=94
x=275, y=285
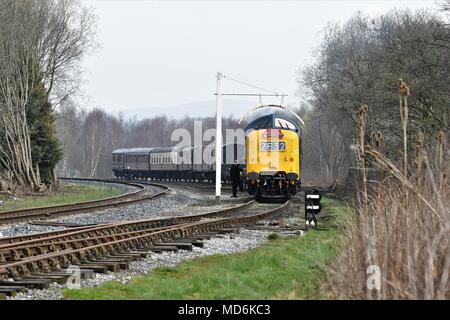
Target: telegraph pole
x=219, y=137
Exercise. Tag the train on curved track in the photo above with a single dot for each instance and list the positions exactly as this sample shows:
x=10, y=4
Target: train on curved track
x=271, y=157
x=168, y=163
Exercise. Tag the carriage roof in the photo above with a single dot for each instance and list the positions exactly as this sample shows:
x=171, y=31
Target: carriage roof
x=133, y=150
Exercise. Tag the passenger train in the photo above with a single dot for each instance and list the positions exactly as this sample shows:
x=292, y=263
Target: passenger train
x=271, y=157
x=174, y=163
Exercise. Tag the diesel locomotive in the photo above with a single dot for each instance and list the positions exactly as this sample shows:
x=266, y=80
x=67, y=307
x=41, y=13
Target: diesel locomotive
x=272, y=153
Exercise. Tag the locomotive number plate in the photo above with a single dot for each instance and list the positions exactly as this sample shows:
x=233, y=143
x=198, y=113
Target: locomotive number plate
x=273, y=146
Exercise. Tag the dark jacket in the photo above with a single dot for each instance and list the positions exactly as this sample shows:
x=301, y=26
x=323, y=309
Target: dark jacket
x=235, y=171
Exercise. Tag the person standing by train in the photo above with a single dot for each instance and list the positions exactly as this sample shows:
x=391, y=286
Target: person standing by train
x=235, y=177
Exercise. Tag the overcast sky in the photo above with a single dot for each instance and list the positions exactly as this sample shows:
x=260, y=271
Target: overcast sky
x=162, y=57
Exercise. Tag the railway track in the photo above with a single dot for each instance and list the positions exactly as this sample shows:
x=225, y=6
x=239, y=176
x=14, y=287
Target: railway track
x=36, y=260
x=128, y=198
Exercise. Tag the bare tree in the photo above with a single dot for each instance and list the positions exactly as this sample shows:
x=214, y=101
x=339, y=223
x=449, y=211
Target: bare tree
x=362, y=61
x=68, y=126
x=39, y=41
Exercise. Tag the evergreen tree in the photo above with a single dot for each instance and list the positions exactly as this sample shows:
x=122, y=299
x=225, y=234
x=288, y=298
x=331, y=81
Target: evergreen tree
x=46, y=150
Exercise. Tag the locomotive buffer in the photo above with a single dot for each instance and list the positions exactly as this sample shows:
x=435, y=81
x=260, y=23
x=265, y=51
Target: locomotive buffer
x=312, y=207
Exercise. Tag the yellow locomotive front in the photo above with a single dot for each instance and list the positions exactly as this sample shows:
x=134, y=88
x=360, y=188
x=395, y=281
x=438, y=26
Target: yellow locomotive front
x=273, y=150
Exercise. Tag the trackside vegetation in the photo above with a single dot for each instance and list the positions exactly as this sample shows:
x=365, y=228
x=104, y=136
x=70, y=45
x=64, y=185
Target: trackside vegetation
x=282, y=268
x=67, y=193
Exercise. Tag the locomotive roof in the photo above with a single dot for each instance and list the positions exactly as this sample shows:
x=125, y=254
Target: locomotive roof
x=271, y=110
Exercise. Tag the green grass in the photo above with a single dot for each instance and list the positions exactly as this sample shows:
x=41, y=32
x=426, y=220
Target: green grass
x=67, y=193
x=282, y=268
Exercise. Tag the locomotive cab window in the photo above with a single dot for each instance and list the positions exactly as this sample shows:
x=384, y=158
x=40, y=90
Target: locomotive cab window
x=284, y=124
x=262, y=123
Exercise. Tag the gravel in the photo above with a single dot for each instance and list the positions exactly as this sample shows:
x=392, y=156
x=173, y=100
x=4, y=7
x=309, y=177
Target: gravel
x=178, y=202
x=228, y=244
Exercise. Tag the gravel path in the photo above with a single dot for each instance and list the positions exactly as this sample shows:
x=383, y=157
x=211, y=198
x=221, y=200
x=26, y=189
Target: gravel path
x=229, y=244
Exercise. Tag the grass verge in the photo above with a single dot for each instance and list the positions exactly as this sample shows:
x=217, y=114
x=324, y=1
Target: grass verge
x=282, y=268
x=67, y=193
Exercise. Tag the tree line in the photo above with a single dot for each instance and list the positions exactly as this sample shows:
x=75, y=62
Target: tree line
x=361, y=62
x=42, y=43
x=89, y=137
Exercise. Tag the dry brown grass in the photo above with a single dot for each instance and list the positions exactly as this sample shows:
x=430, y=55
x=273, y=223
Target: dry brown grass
x=402, y=235
x=402, y=226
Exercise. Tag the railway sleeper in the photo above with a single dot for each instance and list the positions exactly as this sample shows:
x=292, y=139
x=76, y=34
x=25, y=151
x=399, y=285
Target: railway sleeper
x=160, y=249
x=228, y=230
x=194, y=242
x=11, y=291
x=127, y=256
x=110, y=266
x=179, y=245
x=27, y=283
x=60, y=279
x=97, y=268
x=110, y=258
x=84, y=273
x=142, y=253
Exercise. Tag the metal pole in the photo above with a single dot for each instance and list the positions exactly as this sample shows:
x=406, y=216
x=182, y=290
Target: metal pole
x=219, y=138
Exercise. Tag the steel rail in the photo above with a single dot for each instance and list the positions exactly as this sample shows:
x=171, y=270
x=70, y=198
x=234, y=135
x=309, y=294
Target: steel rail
x=84, y=206
x=108, y=229
x=60, y=259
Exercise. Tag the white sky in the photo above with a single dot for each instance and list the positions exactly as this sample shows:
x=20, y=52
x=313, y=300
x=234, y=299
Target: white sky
x=162, y=57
